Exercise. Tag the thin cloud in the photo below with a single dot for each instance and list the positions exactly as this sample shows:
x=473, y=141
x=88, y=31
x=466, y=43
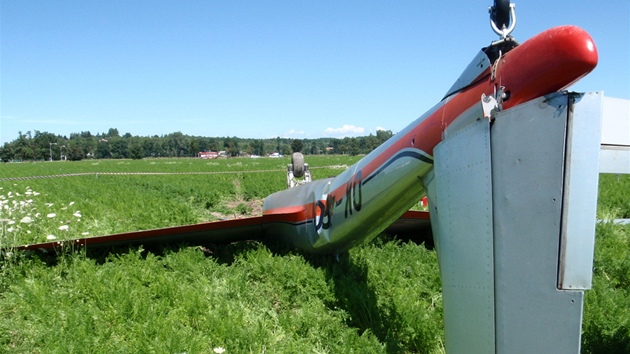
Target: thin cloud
x=293, y=132
x=346, y=129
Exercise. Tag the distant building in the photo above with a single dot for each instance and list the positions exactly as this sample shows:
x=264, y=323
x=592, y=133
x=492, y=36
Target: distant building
x=208, y=154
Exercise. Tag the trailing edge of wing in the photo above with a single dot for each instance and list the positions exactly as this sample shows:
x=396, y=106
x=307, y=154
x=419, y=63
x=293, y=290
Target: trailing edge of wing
x=224, y=231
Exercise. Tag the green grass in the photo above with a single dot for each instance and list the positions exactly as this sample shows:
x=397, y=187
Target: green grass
x=606, y=323
x=613, y=198
x=382, y=297
x=179, y=165
x=245, y=299
x=110, y=203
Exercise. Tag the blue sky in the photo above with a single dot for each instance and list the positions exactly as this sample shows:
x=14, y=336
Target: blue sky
x=261, y=69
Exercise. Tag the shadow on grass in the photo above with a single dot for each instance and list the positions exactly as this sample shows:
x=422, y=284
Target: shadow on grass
x=356, y=297
x=347, y=277
x=349, y=281
x=359, y=299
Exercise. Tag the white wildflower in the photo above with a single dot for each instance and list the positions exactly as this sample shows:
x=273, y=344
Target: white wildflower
x=218, y=350
x=85, y=233
x=26, y=220
x=10, y=222
x=49, y=204
x=51, y=237
x=11, y=229
x=70, y=203
x=51, y=215
x=77, y=214
x=63, y=227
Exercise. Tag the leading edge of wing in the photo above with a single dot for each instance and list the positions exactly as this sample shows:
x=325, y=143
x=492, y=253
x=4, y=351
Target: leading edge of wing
x=208, y=232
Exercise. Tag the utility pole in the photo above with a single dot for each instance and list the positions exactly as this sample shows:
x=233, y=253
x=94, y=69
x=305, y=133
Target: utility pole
x=50, y=147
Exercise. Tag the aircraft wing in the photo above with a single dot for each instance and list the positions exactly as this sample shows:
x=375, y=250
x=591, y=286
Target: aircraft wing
x=224, y=231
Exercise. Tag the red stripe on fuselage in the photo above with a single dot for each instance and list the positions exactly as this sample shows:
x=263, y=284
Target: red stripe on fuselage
x=548, y=62
x=294, y=214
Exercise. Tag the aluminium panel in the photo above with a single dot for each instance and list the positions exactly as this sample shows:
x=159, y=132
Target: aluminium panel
x=461, y=205
x=528, y=148
x=579, y=209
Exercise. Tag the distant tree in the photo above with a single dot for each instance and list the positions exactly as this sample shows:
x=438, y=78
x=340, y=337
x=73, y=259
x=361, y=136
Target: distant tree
x=135, y=152
x=297, y=145
x=150, y=147
x=23, y=147
x=111, y=145
x=89, y=146
x=258, y=147
x=6, y=152
x=285, y=149
x=194, y=147
x=383, y=135
x=231, y=146
x=178, y=144
x=41, y=143
x=119, y=148
x=202, y=145
x=102, y=150
x=113, y=133
x=371, y=142
x=74, y=152
x=353, y=146
x=213, y=145
x=315, y=148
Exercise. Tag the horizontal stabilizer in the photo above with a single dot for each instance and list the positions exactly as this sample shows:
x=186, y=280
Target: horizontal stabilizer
x=614, y=156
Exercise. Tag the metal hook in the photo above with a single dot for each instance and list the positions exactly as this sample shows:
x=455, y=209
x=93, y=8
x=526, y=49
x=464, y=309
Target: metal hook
x=505, y=32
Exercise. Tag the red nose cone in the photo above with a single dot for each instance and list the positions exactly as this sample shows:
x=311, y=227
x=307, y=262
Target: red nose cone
x=574, y=50
x=548, y=62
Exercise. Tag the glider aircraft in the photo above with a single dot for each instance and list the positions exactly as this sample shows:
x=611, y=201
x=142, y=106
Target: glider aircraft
x=511, y=268
x=334, y=214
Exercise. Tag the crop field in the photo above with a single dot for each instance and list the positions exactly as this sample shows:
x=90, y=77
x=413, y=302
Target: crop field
x=90, y=198
x=381, y=297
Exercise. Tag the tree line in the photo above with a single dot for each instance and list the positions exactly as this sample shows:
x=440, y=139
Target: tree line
x=39, y=146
